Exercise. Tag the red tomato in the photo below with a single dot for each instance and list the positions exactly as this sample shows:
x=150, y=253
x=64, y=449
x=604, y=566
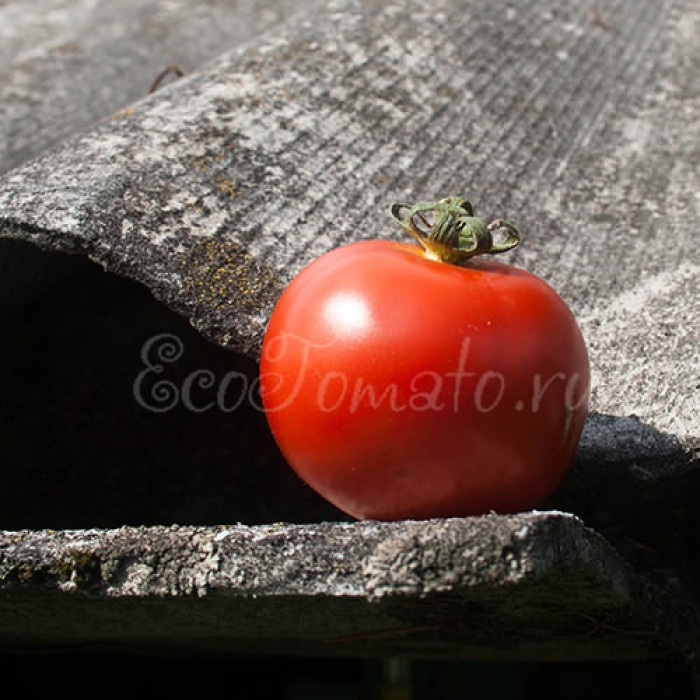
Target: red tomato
x=400, y=386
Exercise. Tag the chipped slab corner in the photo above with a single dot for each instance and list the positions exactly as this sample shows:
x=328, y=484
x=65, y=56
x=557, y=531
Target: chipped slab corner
x=534, y=586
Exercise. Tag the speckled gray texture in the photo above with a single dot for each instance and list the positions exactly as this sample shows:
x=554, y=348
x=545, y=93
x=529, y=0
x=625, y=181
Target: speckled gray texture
x=540, y=585
x=66, y=64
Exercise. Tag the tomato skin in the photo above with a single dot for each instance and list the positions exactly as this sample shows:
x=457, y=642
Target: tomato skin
x=401, y=387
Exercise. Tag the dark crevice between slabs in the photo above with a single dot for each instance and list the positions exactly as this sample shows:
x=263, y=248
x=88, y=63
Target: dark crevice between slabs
x=116, y=411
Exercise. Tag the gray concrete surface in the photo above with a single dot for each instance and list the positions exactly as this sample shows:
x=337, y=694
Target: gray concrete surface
x=67, y=64
x=539, y=586
x=580, y=127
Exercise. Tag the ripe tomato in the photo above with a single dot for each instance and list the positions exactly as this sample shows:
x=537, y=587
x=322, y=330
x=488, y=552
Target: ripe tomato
x=412, y=382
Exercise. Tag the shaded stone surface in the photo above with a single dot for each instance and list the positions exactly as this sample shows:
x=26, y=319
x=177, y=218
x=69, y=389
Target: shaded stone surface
x=538, y=586
x=204, y=199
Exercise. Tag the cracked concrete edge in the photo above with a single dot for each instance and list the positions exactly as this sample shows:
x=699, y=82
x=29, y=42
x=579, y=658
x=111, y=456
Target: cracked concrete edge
x=369, y=559
x=547, y=562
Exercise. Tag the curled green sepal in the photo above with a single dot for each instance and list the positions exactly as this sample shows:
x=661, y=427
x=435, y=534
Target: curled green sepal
x=449, y=231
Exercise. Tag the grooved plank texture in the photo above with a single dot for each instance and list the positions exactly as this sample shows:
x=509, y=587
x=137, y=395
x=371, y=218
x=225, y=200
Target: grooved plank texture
x=64, y=64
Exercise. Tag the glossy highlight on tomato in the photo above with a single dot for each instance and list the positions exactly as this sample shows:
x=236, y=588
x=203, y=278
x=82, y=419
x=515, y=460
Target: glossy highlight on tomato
x=404, y=381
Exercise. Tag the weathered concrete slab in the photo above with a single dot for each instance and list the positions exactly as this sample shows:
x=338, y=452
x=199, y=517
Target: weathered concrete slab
x=540, y=586
x=66, y=64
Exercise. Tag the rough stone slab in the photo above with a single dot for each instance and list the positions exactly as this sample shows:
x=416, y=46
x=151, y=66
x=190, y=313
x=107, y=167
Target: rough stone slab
x=536, y=586
x=65, y=64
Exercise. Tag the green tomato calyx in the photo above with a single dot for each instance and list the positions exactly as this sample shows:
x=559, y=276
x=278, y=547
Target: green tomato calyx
x=449, y=232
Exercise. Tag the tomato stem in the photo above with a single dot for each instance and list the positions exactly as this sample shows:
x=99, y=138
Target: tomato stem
x=449, y=231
